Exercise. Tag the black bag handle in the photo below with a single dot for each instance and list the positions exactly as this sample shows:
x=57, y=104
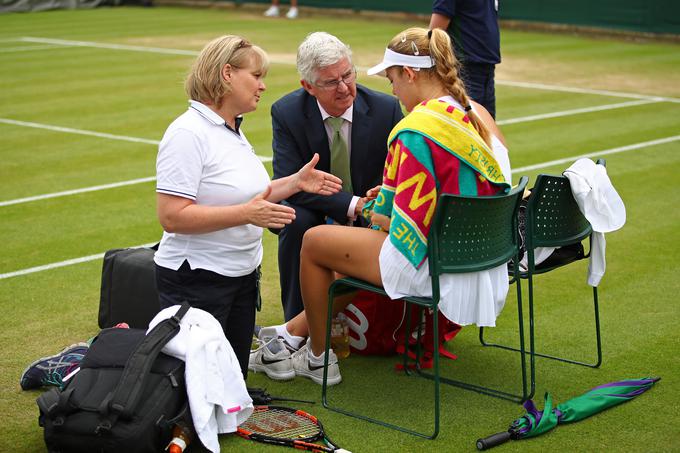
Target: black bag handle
x=129, y=389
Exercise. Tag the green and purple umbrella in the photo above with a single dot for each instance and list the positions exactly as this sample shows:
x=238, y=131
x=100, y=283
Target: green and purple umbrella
x=536, y=422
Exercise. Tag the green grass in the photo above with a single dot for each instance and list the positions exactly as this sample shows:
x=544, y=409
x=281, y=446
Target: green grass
x=137, y=94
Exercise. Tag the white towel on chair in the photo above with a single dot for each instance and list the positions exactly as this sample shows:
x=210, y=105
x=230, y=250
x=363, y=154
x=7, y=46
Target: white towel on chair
x=217, y=393
x=600, y=204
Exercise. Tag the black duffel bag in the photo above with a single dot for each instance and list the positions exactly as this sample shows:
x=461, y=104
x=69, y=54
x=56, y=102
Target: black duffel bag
x=128, y=289
x=126, y=397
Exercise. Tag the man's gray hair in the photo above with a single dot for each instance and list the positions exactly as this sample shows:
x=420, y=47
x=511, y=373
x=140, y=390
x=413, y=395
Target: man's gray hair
x=318, y=50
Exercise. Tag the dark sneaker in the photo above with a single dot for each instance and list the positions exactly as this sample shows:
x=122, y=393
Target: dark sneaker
x=303, y=367
x=51, y=370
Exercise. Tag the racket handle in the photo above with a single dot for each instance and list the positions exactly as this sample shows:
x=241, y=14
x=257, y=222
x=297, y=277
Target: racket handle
x=342, y=450
x=493, y=440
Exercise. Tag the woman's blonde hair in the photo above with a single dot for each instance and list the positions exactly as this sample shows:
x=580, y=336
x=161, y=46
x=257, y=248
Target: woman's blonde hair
x=437, y=44
x=205, y=82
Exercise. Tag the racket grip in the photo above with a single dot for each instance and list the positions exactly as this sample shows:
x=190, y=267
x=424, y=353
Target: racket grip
x=493, y=440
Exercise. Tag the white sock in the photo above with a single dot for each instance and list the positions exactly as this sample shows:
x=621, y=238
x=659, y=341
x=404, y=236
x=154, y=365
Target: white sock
x=315, y=360
x=292, y=340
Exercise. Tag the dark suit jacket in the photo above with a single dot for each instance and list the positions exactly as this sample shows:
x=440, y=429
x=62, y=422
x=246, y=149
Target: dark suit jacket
x=299, y=133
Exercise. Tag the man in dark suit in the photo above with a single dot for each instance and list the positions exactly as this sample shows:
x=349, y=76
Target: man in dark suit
x=360, y=122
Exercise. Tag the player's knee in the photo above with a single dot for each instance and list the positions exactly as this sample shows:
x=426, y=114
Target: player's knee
x=313, y=242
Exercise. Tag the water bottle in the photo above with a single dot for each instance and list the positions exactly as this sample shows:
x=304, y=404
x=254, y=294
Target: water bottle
x=340, y=336
x=181, y=436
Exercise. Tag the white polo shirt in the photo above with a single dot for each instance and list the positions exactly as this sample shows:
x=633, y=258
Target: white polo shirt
x=199, y=158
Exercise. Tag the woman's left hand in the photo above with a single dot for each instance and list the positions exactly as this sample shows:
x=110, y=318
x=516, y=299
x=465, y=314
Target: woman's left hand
x=312, y=180
x=382, y=221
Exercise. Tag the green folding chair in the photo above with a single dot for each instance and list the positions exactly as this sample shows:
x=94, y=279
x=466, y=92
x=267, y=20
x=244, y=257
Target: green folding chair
x=468, y=234
x=553, y=219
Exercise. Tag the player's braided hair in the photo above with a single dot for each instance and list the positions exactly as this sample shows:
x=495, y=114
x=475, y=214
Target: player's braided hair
x=437, y=44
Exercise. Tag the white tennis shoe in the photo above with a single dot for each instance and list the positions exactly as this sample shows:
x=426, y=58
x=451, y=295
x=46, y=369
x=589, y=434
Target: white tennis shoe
x=303, y=367
x=273, y=11
x=271, y=357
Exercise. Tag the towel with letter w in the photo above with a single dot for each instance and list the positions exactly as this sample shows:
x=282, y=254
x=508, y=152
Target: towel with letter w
x=433, y=150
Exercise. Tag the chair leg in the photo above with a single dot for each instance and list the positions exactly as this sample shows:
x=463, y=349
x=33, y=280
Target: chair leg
x=435, y=364
x=598, y=338
x=407, y=335
x=532, y=338
x=324, y=387
x=527, y=392
x=329, y=321
x=479, y=388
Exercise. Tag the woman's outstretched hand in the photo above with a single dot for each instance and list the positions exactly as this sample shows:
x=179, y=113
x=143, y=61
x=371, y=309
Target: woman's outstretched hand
x=265, y=214
x=311, y=180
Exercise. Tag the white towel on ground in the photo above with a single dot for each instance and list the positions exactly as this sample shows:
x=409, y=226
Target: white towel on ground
x=217, y=393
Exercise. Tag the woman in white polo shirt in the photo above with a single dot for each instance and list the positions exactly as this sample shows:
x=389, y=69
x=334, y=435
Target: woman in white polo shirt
x=214, y=195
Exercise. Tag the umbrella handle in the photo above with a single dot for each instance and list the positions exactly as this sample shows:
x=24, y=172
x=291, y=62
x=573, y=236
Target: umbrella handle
x=493, y=440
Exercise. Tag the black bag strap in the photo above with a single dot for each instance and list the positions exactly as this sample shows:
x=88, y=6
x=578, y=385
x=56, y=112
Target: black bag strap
x=129, y=389
x=48, y=402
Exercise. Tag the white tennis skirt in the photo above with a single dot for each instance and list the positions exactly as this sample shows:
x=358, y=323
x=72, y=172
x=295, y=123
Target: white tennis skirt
x=469, y=298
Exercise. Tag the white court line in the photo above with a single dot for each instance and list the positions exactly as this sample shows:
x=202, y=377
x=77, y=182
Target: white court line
x=642, y=99
x=551, y=163
x=99, y=45
x=92, y=188
x=605, y=152
x=26, y=48
x=547, y=87
x=77, y=191
x=597, y=108
x=536, y=86
x=262, y=158
x=46, y=267
x=69, y=130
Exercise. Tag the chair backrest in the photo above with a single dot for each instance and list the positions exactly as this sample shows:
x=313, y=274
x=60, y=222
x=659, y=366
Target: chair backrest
x=553, y=217
x=471, y=234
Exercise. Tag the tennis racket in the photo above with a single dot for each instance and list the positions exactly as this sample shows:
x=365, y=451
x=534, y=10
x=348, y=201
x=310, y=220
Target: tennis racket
x=285, y=426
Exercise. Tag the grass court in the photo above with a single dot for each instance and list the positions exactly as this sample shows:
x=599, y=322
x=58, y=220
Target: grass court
x=86, y=95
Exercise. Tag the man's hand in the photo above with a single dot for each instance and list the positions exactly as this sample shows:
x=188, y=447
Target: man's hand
x=370, y=195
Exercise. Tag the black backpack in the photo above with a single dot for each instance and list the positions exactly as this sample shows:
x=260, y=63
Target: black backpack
x=127, y=396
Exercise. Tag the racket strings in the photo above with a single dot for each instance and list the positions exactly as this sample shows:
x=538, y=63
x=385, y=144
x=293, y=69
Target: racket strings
x=281, y=425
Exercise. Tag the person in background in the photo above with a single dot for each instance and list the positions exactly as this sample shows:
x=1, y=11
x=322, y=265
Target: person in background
x=473, y=28
x=214, y=195
x=347, y=124
x=428, y=155
x=273, y=10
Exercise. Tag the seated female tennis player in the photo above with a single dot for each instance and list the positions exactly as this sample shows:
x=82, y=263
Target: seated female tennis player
x=437, y=148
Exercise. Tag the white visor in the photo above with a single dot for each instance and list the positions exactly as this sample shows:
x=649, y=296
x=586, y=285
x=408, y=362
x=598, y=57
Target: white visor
x=393, y=58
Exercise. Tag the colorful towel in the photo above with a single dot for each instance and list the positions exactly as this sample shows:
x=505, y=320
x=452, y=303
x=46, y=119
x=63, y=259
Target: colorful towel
x=434, y=150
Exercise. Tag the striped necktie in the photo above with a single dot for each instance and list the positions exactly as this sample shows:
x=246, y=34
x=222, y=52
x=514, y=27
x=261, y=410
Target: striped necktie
x=340, y=154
